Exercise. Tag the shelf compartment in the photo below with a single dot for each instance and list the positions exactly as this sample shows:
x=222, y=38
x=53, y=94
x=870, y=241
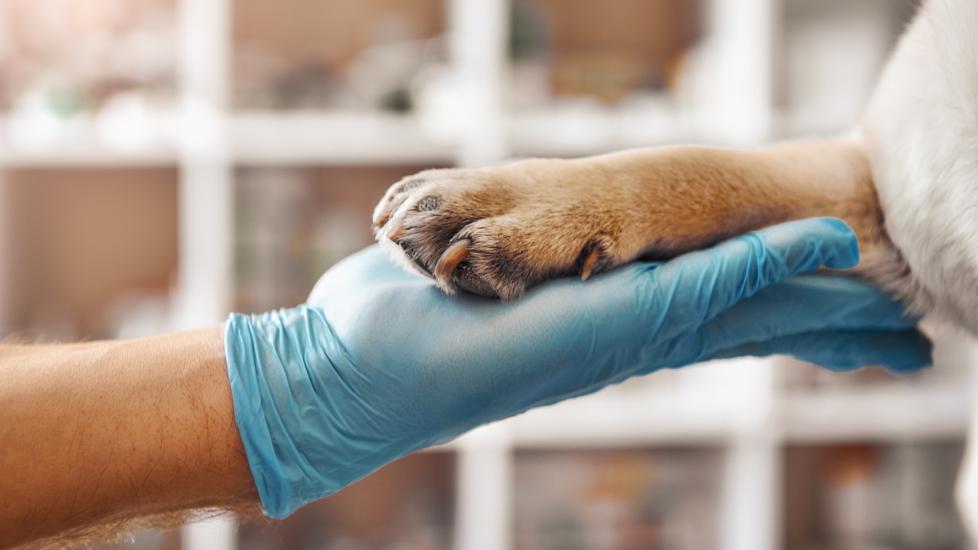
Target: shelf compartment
x=292, y=224
x=88, y=247
x=406, y=504
x=606, y=51
x=302, y=54
x=64, y=58
x=625, y=498
x=861, y=495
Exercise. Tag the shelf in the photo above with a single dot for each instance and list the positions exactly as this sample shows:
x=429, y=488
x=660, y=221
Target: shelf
x=323, y=137
x=84, y=140
x=620, y=417
x=628, y=419
x=708, y=404
x=579, y=129
x=611, y=419
x=343, y=137
x=287, y=138
x=898, y=413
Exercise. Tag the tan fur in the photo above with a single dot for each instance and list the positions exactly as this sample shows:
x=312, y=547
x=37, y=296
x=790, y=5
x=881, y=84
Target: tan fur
x=537, y=219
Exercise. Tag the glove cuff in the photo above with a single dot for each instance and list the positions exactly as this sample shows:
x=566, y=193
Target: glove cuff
x=254, y=411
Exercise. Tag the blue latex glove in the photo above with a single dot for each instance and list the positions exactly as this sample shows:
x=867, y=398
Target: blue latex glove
x=380, y=363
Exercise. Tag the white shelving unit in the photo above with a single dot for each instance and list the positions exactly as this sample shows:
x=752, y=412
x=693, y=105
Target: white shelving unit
x=736, y=405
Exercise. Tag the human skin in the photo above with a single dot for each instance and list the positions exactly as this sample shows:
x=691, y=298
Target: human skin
x=95, y=434
x=101, y=438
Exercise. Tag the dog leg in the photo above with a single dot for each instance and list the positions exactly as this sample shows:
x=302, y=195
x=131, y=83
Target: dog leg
x=495, y=231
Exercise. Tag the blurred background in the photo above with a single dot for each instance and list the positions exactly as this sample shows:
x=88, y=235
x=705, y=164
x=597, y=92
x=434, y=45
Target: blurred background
x=164, y=162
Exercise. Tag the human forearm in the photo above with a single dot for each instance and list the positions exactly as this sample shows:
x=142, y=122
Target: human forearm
x=106, y=431
x=331, y=390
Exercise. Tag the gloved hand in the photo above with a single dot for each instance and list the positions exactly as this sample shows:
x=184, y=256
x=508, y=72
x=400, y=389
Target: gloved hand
x=380, y=363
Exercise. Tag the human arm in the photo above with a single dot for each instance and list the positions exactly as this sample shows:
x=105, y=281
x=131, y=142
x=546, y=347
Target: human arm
x=380, y=363
x=96, y=434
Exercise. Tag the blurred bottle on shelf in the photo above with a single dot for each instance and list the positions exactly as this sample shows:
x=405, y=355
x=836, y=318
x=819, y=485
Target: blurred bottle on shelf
x=291, y=224
x=273, y=220
x=72, y=56
x=308, y=54
x=616, y=499
x=863, y=496
x=604, y=51
x=83, y=74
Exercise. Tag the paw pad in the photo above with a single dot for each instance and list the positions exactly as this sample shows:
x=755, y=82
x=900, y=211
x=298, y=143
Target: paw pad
x=428, y=204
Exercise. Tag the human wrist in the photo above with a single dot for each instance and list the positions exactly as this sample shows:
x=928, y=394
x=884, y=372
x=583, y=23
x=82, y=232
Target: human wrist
x=306, y=412
x=218, y=475
x=183, y=441
x=71, y=411
x=262, y=352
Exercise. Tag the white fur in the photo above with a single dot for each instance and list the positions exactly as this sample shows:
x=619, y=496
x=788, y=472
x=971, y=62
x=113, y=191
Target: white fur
x=922, y=131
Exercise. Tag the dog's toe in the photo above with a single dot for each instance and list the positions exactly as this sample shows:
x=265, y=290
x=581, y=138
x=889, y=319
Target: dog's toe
x=489, y=232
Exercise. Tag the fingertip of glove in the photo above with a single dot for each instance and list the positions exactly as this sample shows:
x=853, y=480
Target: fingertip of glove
x=905, y=368
x=814, y=242
x=844, y=242
x=919, y=356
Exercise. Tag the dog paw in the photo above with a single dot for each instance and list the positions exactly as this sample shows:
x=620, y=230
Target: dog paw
x=497, y=231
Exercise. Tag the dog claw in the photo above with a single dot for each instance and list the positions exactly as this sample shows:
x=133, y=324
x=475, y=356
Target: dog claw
x=382, y=219
x=396, y=233
x=589, y=263
x=454, y=255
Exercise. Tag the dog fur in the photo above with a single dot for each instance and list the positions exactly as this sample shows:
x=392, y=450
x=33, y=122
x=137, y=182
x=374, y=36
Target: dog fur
x=905, y=179
x=921, y=134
